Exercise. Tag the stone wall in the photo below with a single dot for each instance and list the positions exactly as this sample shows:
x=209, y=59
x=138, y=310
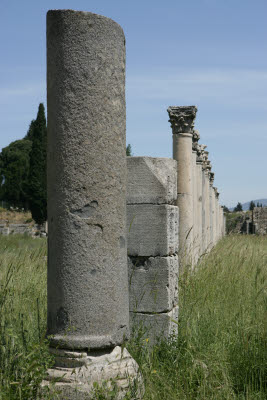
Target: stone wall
x=248, y=222
x=24, y=229
x=260, y=220
x=152, y=228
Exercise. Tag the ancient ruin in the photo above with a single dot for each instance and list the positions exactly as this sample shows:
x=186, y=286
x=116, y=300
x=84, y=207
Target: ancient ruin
x=172, y=211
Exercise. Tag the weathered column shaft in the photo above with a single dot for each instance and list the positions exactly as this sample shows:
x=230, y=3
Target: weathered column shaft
x=195, y=245
x=199, y=207
x=211, y=177
x=88, y=305
x=207, y=207
x=182, y=122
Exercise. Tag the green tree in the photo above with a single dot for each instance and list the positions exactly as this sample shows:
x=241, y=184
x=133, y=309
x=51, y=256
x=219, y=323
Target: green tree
x=37, y=173
x=14, y=170
x=238, y=207
x=29, y=134
x=129, y=150
x=226, y=209
x=252, y=205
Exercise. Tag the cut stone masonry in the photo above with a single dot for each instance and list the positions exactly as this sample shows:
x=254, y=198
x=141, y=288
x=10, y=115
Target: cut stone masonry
x=152, y=225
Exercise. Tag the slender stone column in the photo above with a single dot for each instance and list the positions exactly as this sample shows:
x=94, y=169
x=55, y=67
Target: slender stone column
x=204, y=244
x=208, y=219
x=88, y=302
x=199, y=168
x=218, y=215
x=222, y=221
x=211, y=176
x=206, y=201
x=194, y=230
x=196, y=238
x=215, y=215
x=182, y=123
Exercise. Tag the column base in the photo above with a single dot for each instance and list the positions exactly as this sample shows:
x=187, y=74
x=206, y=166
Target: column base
x=78, y=374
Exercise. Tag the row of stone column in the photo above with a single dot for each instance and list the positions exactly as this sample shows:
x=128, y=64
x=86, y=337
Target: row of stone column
x=202, y=222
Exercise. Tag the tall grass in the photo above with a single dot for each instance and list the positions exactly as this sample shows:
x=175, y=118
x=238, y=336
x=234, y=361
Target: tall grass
x=221, y=348
x=24, y=356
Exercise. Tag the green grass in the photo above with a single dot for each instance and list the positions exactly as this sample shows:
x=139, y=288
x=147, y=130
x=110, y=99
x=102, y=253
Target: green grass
x=23, y=349
x=221, y=349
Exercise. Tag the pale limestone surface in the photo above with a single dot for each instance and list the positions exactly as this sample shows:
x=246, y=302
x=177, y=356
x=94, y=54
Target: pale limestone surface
x=195, y=246
x=153, y=283
x=76, y=372
x=152, y=230
x=151, y=180
x=182, y=152
x=199, y=208
x=156, y=326
x=88, y=304
x=207, y=212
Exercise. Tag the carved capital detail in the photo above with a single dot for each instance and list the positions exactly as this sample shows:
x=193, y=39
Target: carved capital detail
x=211, y=175
x=195, y=139
x=200, y=152
x=182, y=118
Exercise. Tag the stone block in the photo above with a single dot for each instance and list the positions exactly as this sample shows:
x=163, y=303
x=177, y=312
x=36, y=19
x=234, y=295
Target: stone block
x=152, y=230
x=19, y=228
x=155, y=326
x=151, y=180
x=4, y=229
x=153, y=283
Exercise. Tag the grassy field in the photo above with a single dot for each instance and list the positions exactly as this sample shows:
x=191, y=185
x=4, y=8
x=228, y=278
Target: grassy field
x=221, y=349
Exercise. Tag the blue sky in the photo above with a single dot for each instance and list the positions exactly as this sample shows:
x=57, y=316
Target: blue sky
x=210, y=53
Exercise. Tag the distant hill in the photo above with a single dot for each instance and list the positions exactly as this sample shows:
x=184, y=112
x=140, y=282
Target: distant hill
x=245, y=206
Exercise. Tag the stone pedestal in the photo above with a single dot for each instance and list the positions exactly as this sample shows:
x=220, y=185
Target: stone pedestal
x=182, y=123
x=88, y=302
x=78, y=373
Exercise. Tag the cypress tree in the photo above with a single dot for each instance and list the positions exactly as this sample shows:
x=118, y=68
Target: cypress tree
x=14, y=170
x=252, y=205
x=37, y=173
x=238, y=207
x=129, y=150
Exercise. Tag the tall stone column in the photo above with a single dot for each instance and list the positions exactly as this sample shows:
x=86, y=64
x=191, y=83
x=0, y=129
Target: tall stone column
x=222, y=221
x=211, y=176
x=218, y=215
x=194, y=192
x=182, y=123
x=208, y=219
x=196, y=238
x=206, y=201
x=215, y=215
x=199, y=164
x=88, y=302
